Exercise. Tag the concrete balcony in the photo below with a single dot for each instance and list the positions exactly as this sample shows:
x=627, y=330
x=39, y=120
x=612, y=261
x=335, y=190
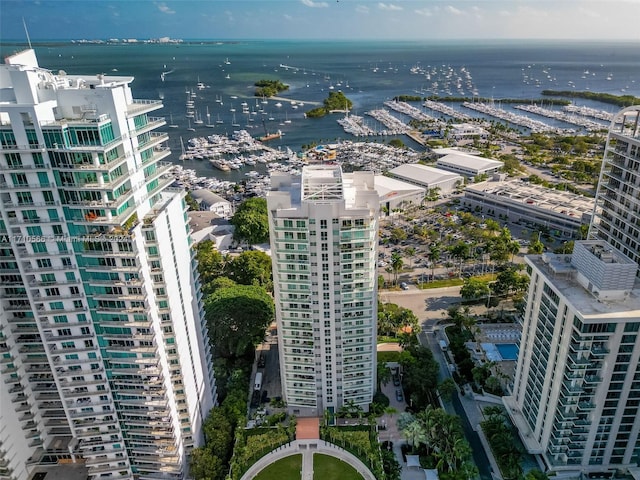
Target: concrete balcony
x=138, y=107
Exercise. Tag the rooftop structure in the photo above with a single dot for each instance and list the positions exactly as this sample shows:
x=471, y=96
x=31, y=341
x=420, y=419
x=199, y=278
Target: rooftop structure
x=468, y=165
x=395, y=194
x=538, y=206
x=323, y=229
x=427, y=177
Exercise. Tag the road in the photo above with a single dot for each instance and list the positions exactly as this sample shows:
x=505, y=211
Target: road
x=430, y=306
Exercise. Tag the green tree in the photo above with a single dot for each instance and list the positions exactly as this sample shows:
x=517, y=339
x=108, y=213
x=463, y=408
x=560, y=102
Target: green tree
x=410, y=252
x=536, y=247
x=474, y=288
x=251, y=267
x=396, y=265
x=204, y=465
x=383, y=373
x=237, y=318
x=251, y=221
x=433, y=255
x=218, y=433
x=211, y=263
x=447, y=388
x=398, y=235
x=191, y=202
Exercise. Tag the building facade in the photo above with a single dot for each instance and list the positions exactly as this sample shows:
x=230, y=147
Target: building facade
x=103, y=342
x=617, y=211
x=323, y=230
x=576, y=390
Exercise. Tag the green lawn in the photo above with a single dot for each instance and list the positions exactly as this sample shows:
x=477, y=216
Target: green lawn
x=287, y=468
x=325, y=466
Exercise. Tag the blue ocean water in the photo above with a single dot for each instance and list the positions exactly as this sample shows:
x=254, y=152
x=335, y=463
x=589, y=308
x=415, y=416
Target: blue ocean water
x=367, y=72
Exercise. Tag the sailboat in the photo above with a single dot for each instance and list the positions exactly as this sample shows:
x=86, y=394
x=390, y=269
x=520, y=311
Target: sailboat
x=219, y=120
x=198, y=120
x=190, y=128
x=183, y=155
x=209, y=124
x=233, y=121
x=171, y=124
x=286, y=119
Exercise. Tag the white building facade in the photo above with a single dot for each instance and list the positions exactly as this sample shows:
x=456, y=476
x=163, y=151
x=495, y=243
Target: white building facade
x=577, y=384
x=323, y=231
x=103, y=340
x=617, y=211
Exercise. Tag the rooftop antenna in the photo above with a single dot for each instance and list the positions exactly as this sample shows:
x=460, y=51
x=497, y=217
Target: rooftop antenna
x=27, y=32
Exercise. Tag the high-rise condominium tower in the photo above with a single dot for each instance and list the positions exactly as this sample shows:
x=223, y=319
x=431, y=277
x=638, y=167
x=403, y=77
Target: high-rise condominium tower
x=576, y=393
x=323, y=228
x=617, y=213
x=104, y=354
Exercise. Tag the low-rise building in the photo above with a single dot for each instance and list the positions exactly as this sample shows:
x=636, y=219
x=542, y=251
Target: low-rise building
x=427, y=177
x=535, y=205
x=207, y=200
x=396, y=194
x=465, y=131
x=467, y=164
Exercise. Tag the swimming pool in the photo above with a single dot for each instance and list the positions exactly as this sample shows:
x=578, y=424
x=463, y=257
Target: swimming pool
x=508, y=351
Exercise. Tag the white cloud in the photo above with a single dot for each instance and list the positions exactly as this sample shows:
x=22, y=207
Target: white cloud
x=454, y=10
x=362, y=9
x=425, y=12
x=288, y=17
x=164, y=9
x=589, y=13
x=389, y=6
x=504, y=13
x=312, y=4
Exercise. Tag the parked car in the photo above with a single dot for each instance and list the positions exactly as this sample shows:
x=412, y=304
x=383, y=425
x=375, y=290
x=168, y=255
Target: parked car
x=396, y=381
x=399, y=396
x=404, y=286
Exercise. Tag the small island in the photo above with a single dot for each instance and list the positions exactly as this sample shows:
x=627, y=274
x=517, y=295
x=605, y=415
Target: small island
x=618, y=100
x=269, y=88
x=335, y=102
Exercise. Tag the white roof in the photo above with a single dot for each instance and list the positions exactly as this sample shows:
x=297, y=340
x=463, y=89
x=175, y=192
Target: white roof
x=207, y=196
x=424, y=174
x=447, y=150
x=469, y=161
x=390, y=187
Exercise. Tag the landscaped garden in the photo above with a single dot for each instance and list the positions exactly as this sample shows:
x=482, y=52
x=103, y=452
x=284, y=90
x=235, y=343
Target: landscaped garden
x=287, y=468
x=326, y=466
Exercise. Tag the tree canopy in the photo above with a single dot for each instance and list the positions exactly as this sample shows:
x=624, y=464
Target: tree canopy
x=251, y=221
x=237, y=317
x=269, y=88
x=251, y=267
x=335, y=101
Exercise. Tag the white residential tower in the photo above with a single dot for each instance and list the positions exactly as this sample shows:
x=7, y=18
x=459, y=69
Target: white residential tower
x=323, y=228
x=104, y=352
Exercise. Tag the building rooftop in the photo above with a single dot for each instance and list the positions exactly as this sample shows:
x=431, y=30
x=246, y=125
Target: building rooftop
x=322, y=182
x=423, y=173
x=465, y=160
x=207, y=196
x=519, y=191
x=390, y=187
x=562, y=275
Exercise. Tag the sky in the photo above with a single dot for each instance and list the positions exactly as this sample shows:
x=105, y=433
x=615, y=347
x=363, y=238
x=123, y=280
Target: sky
x=321, y=19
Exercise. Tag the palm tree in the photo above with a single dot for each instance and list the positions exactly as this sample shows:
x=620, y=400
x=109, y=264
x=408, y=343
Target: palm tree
x=396, y=265
x=415, y=434
x=384, y=374
x=433, y=256
x=514, y=248
x=410, y=251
